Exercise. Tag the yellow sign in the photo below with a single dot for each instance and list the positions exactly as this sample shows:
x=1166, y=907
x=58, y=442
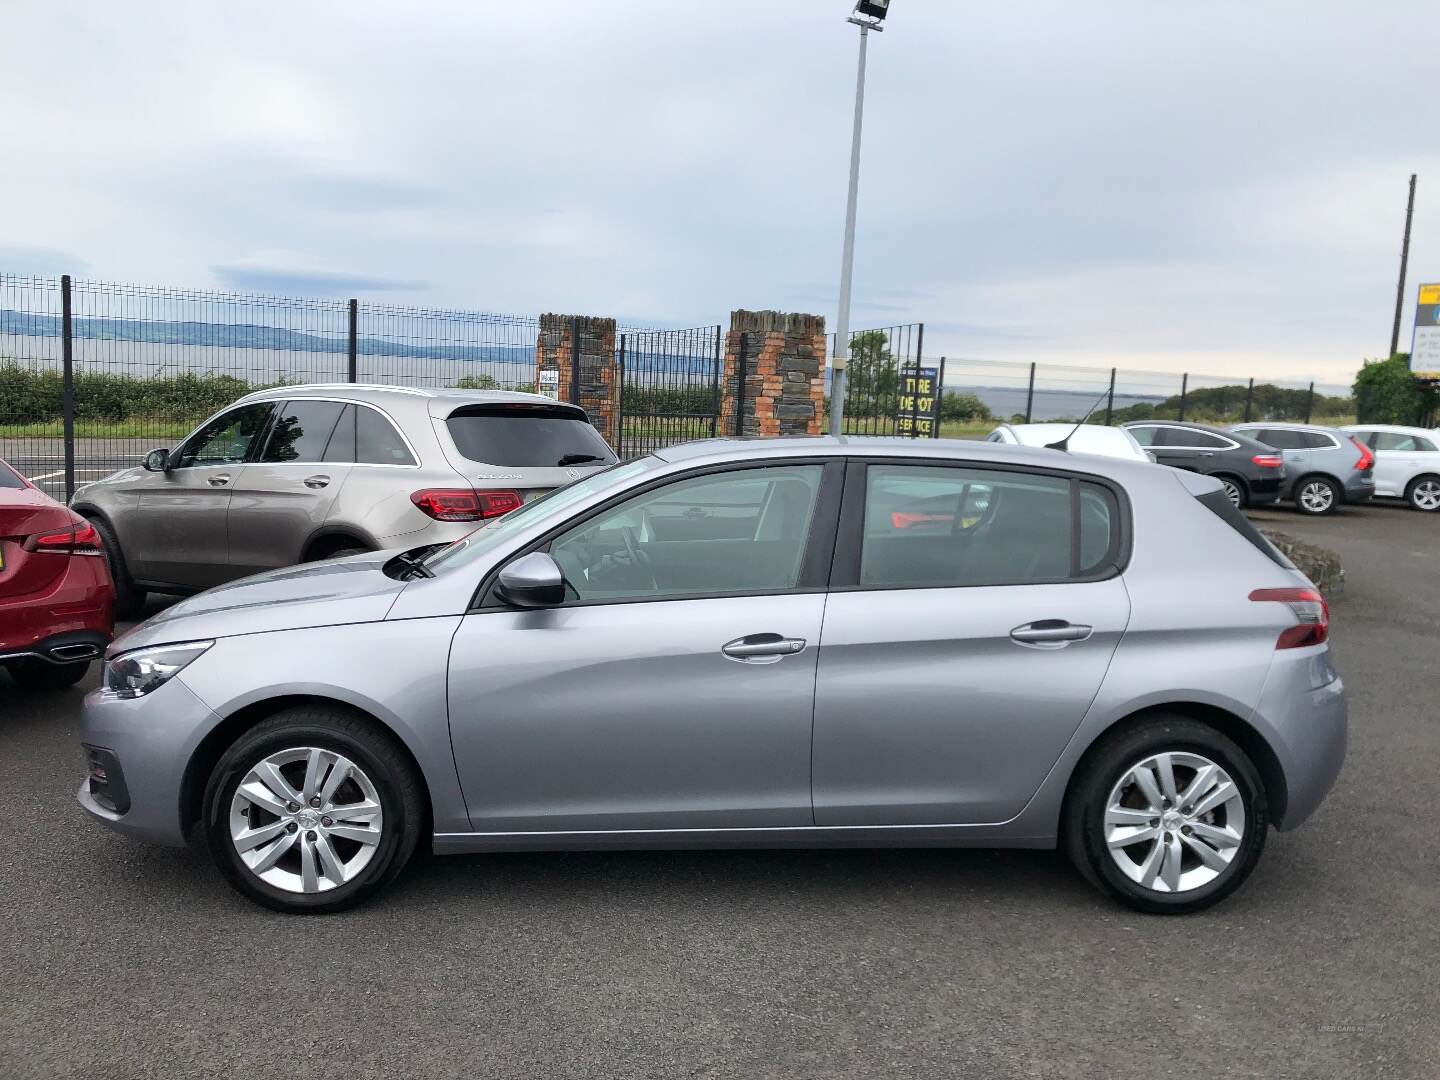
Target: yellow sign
x=1430, y=294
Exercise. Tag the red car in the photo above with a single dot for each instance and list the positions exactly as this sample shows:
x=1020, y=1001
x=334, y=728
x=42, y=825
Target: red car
x=56, y=596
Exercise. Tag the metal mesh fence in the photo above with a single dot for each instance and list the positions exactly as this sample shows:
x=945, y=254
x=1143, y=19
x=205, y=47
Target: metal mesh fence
x=884, y=394
x=469, y=350
x=669, y=387
x=32, y=380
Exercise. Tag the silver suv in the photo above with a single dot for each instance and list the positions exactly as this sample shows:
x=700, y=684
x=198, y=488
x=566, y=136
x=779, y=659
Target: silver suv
x=301, y=473
x=786, y=642
x=1324, y=466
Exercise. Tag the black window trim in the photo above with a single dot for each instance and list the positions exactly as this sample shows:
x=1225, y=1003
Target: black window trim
x=845, y=574
x=1230, y=444
x=815, y=564
x=258, y=458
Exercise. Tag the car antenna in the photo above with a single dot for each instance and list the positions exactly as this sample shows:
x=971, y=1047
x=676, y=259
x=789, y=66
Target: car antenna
x=1064, y=444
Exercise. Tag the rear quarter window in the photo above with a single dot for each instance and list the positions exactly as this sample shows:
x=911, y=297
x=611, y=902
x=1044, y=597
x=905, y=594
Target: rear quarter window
x=526, y=436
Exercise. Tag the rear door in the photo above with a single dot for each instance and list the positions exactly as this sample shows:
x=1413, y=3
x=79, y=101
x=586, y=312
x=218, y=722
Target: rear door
x=178, y=534
x=280, y=499
x=967, y=631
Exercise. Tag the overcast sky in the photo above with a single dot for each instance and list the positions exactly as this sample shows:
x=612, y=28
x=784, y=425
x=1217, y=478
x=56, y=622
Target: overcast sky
x=1211, y=186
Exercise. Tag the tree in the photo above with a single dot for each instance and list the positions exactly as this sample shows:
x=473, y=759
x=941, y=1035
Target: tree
x=873, y=380
x=1387, y=393
x=963, y=407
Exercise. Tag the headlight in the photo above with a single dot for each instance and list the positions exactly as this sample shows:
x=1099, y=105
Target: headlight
x=135, y=674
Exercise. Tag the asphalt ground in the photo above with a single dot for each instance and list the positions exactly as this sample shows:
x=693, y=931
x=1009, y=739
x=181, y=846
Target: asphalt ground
x=122, y=960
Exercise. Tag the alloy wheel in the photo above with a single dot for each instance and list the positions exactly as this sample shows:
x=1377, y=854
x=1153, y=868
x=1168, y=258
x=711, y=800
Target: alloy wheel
x=1234, y=494
x=1316, y=496
x=1174, y=822
x=1426, y=494
x=306, y=820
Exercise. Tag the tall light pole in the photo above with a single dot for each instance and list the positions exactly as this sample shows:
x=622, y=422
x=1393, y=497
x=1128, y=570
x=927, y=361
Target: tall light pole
x=868, y=15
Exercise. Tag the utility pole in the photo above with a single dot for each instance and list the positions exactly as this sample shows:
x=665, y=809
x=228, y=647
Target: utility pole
x=868, y=16
x=1404, y=259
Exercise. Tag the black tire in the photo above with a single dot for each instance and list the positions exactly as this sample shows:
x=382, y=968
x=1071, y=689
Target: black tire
x=43, y=675
x=1322, y=504
x=1083, y=823
x=1236, y=489
x=129, y=598
x=374, y=750
x=1413, y=489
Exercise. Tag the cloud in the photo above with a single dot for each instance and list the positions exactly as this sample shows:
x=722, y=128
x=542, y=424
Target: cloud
x=297, y=282
x=44, y=261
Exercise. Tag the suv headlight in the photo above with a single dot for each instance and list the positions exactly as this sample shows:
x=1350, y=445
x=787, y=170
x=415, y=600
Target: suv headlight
x=135, y=674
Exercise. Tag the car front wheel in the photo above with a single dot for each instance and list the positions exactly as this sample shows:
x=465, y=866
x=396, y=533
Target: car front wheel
x=1168, y=817
x=313, y=810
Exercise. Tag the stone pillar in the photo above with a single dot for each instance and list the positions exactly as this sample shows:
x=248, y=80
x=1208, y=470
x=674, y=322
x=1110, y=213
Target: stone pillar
x=599, y=380
x=783, y=392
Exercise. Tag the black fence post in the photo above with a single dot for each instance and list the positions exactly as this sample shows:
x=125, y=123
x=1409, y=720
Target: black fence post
x=740, y=361
x=352, y=343
x=620, y=399
x=1184, y=386
x=1110, y=400
x=1309, y=402
x=67, y=360
x=1030, y=393
x=719, y=385
x=915, y=397
x=575, y=360
x=939, y=397
x=1249, y=399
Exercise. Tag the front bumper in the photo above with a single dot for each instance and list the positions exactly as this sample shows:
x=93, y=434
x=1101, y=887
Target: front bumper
x=152, y=738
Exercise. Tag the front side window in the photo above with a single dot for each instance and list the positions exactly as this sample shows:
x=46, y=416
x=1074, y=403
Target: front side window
x=1192, y=438
x=227, y=439
x=301, y=431
x=744, y=531
x=928, y=527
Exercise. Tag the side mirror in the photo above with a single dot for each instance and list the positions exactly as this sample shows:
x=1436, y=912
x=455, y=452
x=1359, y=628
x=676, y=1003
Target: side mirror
x=157, y=461
x=532, y=581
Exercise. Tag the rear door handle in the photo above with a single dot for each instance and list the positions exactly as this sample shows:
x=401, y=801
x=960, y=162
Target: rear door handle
x=316, y=481
x=762, y=648
x=1052, y=633
x=218, y=481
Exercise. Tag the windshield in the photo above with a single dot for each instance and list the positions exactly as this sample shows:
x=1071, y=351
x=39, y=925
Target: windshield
x=552, y=504
x=527, y=436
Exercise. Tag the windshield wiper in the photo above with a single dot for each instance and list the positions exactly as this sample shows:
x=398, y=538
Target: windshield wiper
x=414, y=565
x=577, y=459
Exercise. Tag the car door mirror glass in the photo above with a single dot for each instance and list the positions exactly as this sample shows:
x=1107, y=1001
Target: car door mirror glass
x=157, y=461
x=532, y=581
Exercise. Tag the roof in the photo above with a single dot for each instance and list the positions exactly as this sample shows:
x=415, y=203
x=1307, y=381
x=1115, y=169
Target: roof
x=442, y=395
x=869, y=446
x=1399, y=429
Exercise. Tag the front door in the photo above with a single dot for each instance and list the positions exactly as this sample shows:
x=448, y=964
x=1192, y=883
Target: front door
x=674, y=689
x=178, y=537
x=964, y=644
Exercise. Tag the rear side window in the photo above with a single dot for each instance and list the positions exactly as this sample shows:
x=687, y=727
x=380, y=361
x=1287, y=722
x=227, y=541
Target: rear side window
x=1279, y=438
x=1314, y=440
x=301, y=431
x=366, y=437
x=1394, y=440
x=527, y=436
x=929, y=527
x=9, y=479
x=1219, y=504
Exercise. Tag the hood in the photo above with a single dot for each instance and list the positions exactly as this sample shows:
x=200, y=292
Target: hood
x=353, y=590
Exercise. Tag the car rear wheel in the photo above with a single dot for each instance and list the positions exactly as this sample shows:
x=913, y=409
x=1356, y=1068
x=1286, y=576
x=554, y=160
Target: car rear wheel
x=129, y=599
x=1424, y=493
x=312, y=811
x=43, y=675
x=1234, y=491
x=1316, y=495
x=1168, y=817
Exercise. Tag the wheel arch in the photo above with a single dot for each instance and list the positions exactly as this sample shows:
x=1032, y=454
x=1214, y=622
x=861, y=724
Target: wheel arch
x=1233, y=727
x=329, y=538
x=209, y=750
x=1238, y=478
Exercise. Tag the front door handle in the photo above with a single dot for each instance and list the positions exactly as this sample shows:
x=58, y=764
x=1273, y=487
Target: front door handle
x=1050, y=633
x=218, y=481
x=762, y=648
x=317, y=481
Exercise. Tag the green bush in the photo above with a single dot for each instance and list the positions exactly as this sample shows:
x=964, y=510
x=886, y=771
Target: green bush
x=1386, y=392
x=962, y=407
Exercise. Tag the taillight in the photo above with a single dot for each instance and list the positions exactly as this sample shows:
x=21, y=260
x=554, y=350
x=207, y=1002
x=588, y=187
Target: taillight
x=1367, y=459
x=1268, y=461
x=463, y=504
x=79, y=539
x=1310, y=610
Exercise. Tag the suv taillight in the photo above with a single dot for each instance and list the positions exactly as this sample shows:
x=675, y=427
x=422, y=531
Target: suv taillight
x=1267, y=461
x=1367, y=459
x=463, y=504
x=1308, y=607
x=80, y=539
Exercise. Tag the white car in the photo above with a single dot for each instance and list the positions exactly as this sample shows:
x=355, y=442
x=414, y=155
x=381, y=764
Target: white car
x=1082, y=439
x=1407, y=462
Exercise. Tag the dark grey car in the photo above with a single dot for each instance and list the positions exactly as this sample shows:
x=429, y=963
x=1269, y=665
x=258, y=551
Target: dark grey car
x=1253, y=473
